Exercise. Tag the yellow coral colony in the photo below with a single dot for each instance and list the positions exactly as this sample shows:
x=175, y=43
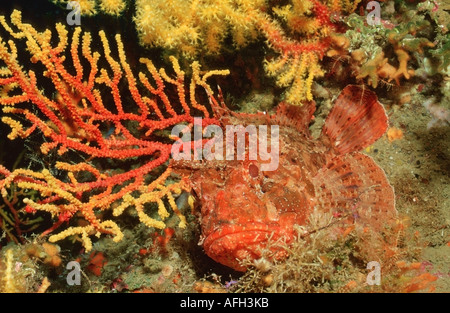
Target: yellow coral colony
x=142, y=187
x=87, y=7
x=193, y=26
x=92, y=7
x=112, y=7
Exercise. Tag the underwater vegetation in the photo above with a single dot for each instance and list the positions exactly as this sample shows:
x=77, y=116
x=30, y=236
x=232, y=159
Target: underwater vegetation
x=87, y=167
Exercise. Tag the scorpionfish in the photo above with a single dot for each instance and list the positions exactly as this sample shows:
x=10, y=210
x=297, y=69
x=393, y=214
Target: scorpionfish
x=243, y=207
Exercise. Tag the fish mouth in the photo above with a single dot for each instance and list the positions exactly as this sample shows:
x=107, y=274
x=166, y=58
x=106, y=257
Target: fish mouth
x=230, y=245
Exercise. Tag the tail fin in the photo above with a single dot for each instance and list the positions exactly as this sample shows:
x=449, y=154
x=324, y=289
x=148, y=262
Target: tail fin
x=356, y=121
x=353, y=184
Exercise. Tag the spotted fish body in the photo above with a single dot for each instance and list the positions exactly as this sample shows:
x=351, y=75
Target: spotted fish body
x=242, y=207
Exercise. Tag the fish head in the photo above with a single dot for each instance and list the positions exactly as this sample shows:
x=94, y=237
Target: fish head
x=243, y=209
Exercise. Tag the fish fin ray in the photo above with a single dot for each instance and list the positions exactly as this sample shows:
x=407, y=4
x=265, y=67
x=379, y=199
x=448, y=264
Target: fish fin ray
x=356, y=120
x=354, y=184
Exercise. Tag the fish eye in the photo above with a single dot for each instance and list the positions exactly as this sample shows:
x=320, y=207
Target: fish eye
x=253, y=170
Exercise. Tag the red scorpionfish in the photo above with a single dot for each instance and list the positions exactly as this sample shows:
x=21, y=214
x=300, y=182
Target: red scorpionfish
x=243, y=207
